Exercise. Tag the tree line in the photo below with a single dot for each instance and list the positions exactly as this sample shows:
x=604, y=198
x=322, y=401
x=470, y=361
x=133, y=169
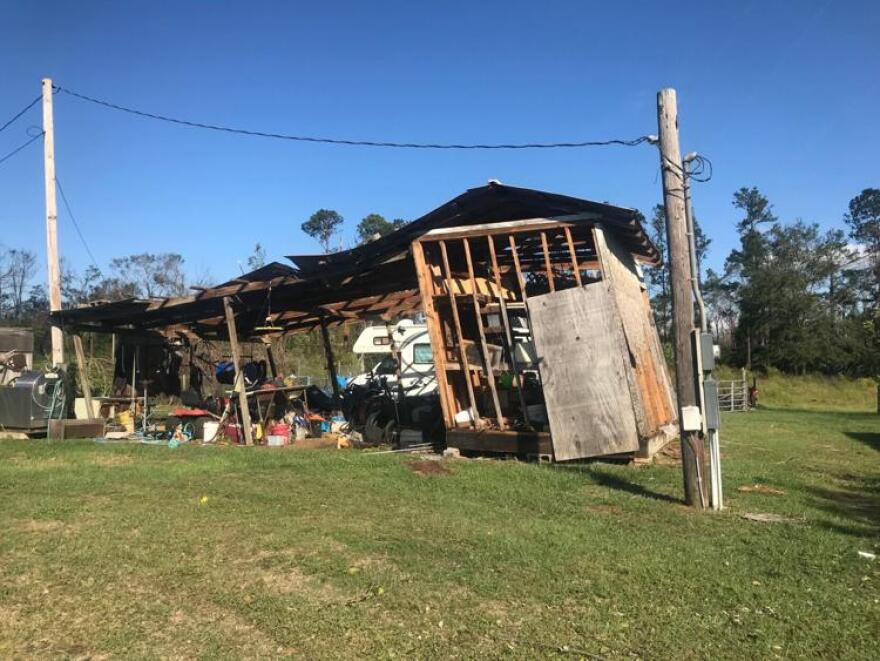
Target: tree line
x=790, y=296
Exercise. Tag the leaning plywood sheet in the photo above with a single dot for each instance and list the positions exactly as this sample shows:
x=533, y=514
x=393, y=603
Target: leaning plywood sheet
x=582, y=358
x=650, y=383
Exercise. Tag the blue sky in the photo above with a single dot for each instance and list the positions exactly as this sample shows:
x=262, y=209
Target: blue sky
x=781, y=95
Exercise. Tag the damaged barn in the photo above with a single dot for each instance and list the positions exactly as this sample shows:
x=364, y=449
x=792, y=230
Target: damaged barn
x=540, y=328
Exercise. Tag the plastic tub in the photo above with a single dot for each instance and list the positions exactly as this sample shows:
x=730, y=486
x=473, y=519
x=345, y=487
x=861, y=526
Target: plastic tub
x=211, y=430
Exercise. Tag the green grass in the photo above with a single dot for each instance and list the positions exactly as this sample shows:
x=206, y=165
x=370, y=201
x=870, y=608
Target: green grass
x=106, y=550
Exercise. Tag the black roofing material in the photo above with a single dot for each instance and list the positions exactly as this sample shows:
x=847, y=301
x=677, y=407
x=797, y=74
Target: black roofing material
x=381, y=268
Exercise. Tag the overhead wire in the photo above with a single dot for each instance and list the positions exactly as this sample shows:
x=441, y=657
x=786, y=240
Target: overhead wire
x=76, y=224
x=20, y=147
x=21, y=112
x=350, y=142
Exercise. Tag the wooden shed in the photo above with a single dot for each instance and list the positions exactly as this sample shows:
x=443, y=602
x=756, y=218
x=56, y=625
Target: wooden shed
x=559, y=296
x=541, y=328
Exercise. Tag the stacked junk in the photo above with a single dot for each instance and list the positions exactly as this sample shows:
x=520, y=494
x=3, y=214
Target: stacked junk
x=508, y=320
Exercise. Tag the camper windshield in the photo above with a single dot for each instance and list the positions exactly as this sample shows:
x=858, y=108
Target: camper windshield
x=386, y=366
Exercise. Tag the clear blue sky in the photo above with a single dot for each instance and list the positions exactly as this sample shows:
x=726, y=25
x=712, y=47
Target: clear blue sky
x=781, y=95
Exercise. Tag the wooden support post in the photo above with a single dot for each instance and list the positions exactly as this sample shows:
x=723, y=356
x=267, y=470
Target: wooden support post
x=270, y=359
x=239, y=375
x=438, y=346
x=496, y=273
x=574, y=259
x=519, y=276
x=692, y=454
x=462, y=351
x=487, y=362
x=547, y=265
x=51, y=220
x=83, y=369
x=331, y=362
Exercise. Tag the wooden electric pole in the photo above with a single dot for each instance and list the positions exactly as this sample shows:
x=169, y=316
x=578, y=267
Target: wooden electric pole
x=52, y=220
x=692, y=455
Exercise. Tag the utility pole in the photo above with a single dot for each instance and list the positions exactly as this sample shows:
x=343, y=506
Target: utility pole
x=52, y=221
x=692, y=459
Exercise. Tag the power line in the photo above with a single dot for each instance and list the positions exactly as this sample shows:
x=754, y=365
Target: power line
x=21, y=112
x=357, y=143
x=75, y=224
x=20, y=147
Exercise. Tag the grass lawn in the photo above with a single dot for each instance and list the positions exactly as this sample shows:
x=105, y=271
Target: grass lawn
x=138, y=551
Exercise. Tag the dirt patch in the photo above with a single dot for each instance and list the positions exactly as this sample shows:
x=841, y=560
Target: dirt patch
x=426, y=467
x=761, y=488
x=292, y=580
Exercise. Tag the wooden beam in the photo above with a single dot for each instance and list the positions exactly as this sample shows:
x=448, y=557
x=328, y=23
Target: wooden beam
x=547, y=266
x=574, y=259
x=239, y=375
x=270, y=359
x=507, y=227
x=438, y=346
x=83, y=368
x=490, y=374
x=462, y=351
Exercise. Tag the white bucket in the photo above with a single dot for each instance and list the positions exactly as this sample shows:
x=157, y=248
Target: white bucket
x=211, y=431
x=276, y=441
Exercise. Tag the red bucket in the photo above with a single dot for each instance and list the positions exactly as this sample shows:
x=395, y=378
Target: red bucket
x=232, y=433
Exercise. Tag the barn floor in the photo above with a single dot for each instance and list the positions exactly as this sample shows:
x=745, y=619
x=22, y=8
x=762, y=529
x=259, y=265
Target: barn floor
x=146, y=551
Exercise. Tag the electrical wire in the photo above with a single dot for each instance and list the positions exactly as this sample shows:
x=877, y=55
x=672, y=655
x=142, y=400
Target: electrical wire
x=356, y=143
x=20, y=147
x=21, y=112
x=76, y=224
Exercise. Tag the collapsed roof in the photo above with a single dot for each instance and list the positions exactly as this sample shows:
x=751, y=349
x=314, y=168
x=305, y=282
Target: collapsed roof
x=374, y=279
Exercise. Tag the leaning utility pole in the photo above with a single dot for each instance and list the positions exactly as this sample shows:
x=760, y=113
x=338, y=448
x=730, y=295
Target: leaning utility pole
x=52, y=221
x=692, y=461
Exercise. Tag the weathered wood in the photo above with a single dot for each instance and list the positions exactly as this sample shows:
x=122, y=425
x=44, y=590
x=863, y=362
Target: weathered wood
x=239, y=375
x=459, y=336
x=507, y=227
x=438, y=345
x=270, y=359
x=519, y=275
x=496, y=273
x=507, y=442
x=692, y=454
x=490, y=373
x=547, y=266
x=574, y=260
x=646, y=377
x=582, y=360
x=83, y=369
x=51, y=219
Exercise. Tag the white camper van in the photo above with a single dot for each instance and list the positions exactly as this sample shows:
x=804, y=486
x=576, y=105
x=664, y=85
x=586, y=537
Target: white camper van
x=410, y=342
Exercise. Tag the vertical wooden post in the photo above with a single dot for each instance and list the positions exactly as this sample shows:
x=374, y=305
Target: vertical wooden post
x=438, y=345
x=331, y=362
x=487, y=363
x=462, y=350
x=239, y=375
x=83, y=369
x=692, y=455
x=547, y=266
x=270, y=358
x=51, y=220
x=574, y=259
